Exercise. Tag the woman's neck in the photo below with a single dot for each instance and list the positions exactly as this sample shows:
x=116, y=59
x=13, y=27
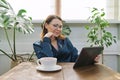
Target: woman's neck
x=53, y=39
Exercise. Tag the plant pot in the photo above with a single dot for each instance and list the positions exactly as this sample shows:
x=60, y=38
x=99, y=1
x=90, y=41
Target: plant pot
x=14, y=63
x=20, y=59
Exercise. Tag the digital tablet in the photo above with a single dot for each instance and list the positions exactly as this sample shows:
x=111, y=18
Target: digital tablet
x=87, y=56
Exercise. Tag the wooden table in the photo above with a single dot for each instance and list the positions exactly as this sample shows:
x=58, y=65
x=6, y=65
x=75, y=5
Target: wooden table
x=27, y=71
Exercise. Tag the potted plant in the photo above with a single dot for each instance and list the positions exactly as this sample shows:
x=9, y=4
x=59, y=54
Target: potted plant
x=17, y=22
x=66, y=29
x=98, y=35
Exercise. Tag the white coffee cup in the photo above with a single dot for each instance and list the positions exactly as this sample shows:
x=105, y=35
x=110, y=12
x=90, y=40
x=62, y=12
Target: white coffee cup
x=47, y=62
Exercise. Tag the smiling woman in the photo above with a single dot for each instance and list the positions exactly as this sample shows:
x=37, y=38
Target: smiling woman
x=53, y=43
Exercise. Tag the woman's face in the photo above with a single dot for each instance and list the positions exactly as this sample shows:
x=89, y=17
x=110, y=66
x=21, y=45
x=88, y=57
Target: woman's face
x=55, y=26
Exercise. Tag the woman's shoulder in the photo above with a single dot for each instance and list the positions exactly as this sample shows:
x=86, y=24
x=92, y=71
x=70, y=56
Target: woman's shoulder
x=64, y=40
x=37, y=42
x=67, y=39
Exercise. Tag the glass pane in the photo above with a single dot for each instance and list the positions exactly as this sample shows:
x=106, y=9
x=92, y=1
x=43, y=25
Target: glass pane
x=79, y=9
x=37, y=9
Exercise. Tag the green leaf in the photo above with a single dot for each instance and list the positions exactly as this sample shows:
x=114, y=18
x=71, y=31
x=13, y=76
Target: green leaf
x=21, y=12
x=87, y=27
x=114, y=36
x=114, y=40
x=3, y=4
x=94, y=9
x=6, y=19
x=103, y=14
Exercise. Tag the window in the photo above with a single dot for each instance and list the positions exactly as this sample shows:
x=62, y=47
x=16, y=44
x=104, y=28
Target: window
x=68, y=9
x=37, y=9
x=79, y=9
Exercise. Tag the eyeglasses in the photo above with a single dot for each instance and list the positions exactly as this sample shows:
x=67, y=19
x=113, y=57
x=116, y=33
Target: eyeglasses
x=57, y=25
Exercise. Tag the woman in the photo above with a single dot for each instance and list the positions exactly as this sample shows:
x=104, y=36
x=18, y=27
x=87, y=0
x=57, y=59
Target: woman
x=53, y=43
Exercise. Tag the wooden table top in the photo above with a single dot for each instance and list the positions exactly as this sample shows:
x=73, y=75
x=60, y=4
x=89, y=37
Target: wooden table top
x=27, y=71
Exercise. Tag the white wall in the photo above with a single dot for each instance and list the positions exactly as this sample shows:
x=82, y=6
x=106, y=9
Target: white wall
x=4, y=64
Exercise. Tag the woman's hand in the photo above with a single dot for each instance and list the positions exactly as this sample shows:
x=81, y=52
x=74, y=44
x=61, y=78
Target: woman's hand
x=49, y=34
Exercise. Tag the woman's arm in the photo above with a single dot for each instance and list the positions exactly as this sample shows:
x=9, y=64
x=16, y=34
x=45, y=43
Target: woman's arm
x=43, y=48
x=73, y=50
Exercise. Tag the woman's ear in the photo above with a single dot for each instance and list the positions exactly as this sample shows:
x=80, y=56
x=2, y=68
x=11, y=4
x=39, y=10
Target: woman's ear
x=46, y=25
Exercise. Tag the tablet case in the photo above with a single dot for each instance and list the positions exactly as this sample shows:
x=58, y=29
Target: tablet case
x=87, y=56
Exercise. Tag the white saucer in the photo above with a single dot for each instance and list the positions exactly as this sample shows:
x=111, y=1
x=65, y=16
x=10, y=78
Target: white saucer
x=54, y=68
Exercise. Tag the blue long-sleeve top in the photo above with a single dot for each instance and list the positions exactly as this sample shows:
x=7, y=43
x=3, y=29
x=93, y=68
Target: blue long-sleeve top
x=66, y=51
